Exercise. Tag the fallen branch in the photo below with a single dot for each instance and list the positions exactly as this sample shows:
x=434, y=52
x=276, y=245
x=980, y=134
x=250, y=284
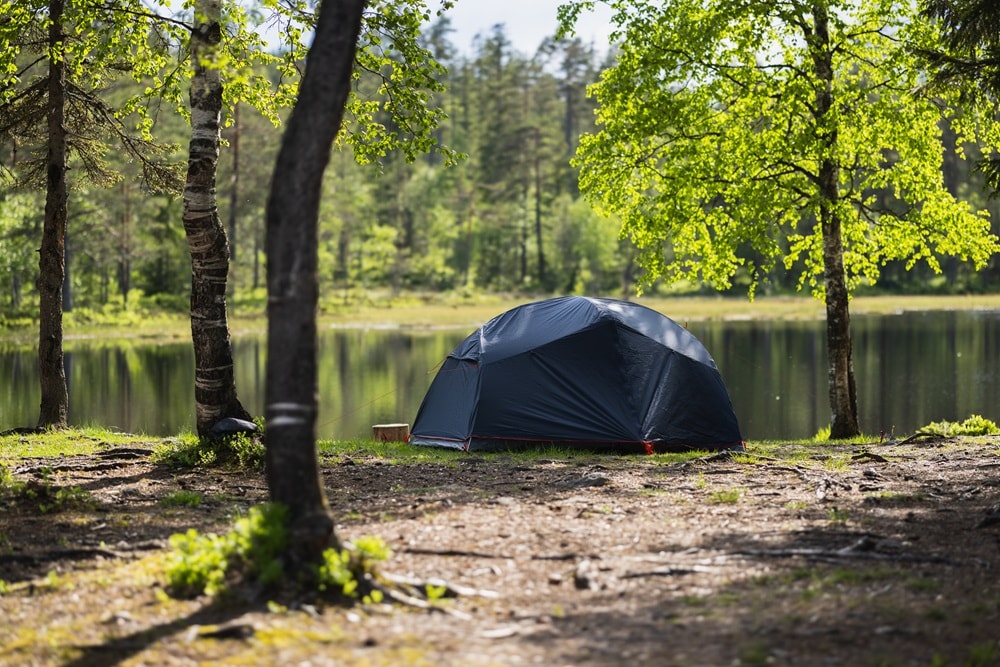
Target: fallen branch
x=869, y=456
x=420, y=551
x=567, y=556
x=400, y=597
x=841, y=554
x=448, y=590
x=60, y=554
x=666, y=572
x=918, y=435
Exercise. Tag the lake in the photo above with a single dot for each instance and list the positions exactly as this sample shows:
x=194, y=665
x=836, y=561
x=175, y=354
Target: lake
x=911, y=368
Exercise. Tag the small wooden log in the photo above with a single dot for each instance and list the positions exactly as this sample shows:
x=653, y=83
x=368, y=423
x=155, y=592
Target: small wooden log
x=391, y=432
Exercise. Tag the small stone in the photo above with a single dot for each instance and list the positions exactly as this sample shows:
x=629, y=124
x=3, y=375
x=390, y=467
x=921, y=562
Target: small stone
x=582, y=576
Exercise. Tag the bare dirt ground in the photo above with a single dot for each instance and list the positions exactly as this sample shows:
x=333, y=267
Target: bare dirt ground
x=800, y=555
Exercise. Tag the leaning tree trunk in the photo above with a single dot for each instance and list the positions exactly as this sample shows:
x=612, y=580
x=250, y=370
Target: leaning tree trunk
x=292, y=281
x=843, y=392
x=214, y=378
x=52, y=255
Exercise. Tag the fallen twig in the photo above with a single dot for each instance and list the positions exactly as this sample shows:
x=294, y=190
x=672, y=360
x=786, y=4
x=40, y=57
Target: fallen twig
x=400, y=597
x=420, y=551
x=566, y=556
x=448, y=590
x=918, y=435
x=840, y=554
x=60, y=554
x=666, y=572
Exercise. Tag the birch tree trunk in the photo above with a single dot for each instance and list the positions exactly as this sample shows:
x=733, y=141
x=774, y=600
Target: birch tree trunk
x=215, y=382
x=843, y=392
x=292, y=281
x=52, y=254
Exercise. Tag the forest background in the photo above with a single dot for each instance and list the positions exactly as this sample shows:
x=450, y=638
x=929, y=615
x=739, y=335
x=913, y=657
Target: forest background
x=507, y=218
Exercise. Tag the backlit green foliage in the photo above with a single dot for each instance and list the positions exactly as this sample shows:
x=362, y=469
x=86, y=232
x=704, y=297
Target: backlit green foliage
x=342, y=570
x=182, y=498
x=253, y=551
x=974, y=425
x=725, y=496
x=208, y=563
x=710, y=144
x=244, y=450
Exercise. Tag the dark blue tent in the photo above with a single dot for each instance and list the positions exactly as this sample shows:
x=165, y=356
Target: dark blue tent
x=576, y=371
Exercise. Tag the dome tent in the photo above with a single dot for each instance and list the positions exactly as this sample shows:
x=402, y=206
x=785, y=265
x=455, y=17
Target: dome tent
x=579, y=372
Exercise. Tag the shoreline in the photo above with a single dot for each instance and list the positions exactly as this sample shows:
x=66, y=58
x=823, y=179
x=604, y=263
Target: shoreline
x=418, y=315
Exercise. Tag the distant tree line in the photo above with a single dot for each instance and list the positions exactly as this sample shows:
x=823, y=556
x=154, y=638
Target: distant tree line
x=506, y=217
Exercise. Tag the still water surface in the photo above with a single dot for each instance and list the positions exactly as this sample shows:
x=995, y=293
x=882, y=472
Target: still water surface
x=912, y=368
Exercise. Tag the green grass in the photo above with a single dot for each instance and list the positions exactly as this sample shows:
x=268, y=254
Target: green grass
x=671, y=458
x=974, y=425
x=401, y=453
x=453, y=309
x=837, y=516
x=182, y=498
x=391, y=453
x=725, y=496
x=67, y=442
x=189, y=451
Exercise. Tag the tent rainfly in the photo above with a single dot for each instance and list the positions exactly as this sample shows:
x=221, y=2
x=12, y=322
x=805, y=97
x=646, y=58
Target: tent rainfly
x=579, y=372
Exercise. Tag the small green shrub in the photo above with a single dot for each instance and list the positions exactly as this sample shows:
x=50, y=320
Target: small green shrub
x=253, y=551
x=197, y=564
x=974, y=425
x=6, y=478
x=203, y=563
x=837, y=516
x=981, y=655
x=182, y=498
x=245, y=450
x=725, y=496
x=341, y=570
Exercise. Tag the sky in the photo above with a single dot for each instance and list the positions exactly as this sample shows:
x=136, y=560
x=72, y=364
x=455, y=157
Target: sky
x=527, y=22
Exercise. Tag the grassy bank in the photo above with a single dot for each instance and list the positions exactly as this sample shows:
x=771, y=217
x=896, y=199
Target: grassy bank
x=443, y=311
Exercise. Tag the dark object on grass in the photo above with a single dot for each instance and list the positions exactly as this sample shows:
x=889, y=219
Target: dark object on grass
x=231, y=426
x=597, y=374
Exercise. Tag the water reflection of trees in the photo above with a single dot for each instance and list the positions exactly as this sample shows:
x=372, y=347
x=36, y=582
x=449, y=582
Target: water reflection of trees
x=912, y=369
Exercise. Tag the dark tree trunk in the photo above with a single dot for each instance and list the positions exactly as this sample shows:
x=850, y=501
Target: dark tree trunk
x=234, y=184
x=215, y=383
x=292, y=280
x=125, y=245
x=256, y=259
x=15, y=290
x=52, y=259
x=67, y=285
x=543, y=278
x=843, y=392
